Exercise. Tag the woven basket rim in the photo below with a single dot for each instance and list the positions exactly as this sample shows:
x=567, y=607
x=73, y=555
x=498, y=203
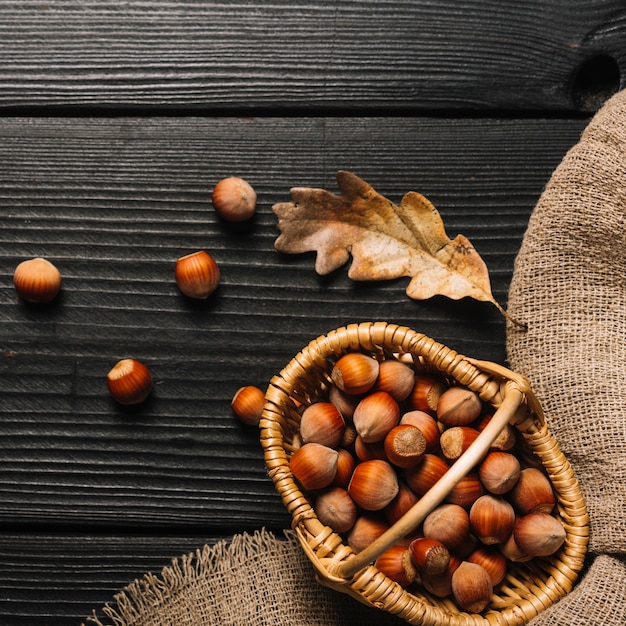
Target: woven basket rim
x=555, y=576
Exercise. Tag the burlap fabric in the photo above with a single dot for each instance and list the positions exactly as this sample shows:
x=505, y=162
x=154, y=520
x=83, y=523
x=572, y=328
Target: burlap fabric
x=569, y=287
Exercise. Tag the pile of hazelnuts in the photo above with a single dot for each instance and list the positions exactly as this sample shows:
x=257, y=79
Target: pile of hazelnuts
x=197, y=276
x=382, y=438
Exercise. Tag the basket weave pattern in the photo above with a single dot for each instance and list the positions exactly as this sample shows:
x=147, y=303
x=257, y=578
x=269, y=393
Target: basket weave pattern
x=529, y=587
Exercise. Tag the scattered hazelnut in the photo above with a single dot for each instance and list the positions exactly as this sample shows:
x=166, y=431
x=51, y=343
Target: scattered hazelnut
x=37, y=280
x=247, y=404
x=129, y=382
x=197, y=275
x=234, y=199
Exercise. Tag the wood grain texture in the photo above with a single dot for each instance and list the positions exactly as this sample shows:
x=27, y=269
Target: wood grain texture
x=113, y=202
x=58, y=579
x=228, y=55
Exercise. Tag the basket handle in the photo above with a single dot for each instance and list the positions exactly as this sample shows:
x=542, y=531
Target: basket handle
x=346, y=569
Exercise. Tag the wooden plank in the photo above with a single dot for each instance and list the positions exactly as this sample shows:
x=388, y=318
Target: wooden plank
x=59, y=579
x=320, y=55
x=113, y=202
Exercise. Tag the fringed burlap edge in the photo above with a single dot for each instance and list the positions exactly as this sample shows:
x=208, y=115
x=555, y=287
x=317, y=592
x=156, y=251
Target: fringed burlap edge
x=142, y=595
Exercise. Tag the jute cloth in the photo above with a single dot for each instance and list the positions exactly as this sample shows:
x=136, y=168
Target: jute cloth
x=569, y=287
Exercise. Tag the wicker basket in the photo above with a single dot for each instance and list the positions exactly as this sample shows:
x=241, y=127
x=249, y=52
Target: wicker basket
x=529, y=587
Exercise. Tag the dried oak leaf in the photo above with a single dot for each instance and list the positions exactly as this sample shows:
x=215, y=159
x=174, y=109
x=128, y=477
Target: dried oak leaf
x=385, y=240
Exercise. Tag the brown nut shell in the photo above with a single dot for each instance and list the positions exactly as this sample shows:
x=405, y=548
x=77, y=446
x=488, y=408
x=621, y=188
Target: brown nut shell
x=405, y=445
x=336, y=509
x=426, y=392
x=37, y=280
x=314, y=465
x=429, y=555
x=374, y=484
x=423, y=476
x=395, y=563
x=367, y=528
x=448, y=523
x=492, y=519
x=355, y=373
x=532, y=492
x=197, y=275
x=321, y=422
x=492, y=560
x=458, y=406
x=129, y=382
x=375, y=415
x=466, y=491
x=472, y=587
x=499, y=472
x=539, y=534
x=247, y=404
x=454, y=441
x=396, y=378
x=427, y=424
x=234, y=199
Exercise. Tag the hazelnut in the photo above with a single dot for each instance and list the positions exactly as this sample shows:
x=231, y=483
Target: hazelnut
x=466, y=491
x=395, y=563
x=448, y=523
x=355, y=373
x=427, y=424
x=129, y=382
x=346, y=403
x=197, y=275
x=314, y=465
x=247, y=404
x=367, y=528
x=234, y=199
x=426, y=392
x=458, y=406
x=492, y=519
x=429, y=555
x=404, y=500
x=440, y=585
x=345, y=467
x=322, y=423
x=336, y=509
x=374, y=484
x=454, y=441
x=499, y=471
x=368, y=451
x=506, y=439
x=532, y=492
x=492, y=560
x=396, y=378
x=375, y=415
x=405, y=445
x=423, y=476
x=37, y=280
x=539, y=534
x=472, y=587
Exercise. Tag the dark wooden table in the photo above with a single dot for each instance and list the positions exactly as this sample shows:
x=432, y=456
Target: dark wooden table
x=117, y=119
